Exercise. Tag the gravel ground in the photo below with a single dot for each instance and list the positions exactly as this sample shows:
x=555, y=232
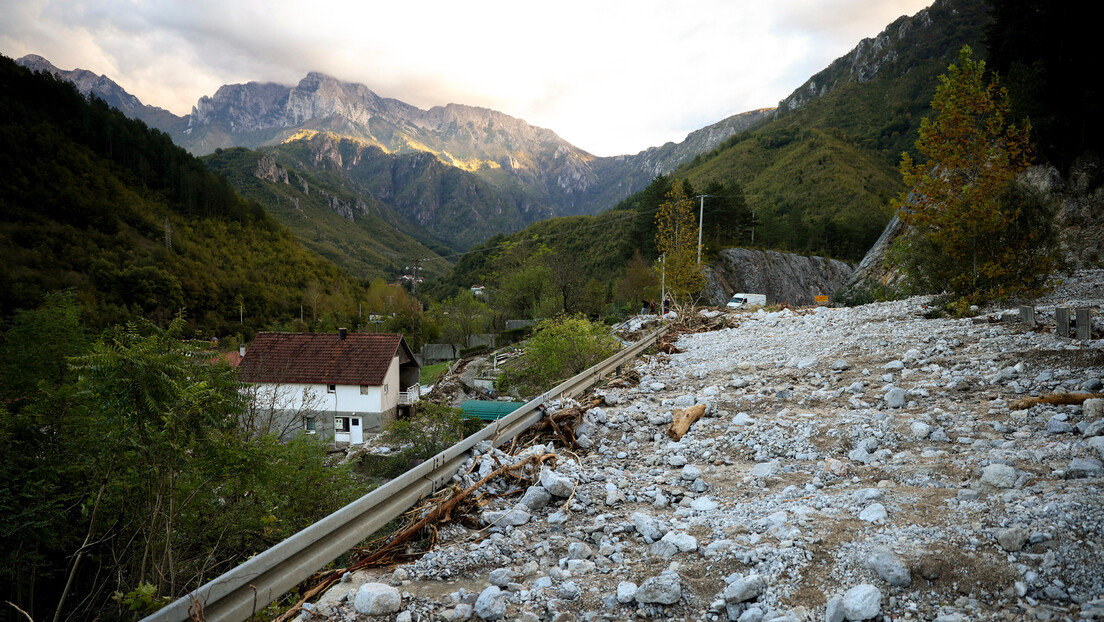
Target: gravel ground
x=860, y=463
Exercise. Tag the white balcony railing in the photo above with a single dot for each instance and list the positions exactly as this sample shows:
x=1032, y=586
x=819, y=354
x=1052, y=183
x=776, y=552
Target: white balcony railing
x=410, y=395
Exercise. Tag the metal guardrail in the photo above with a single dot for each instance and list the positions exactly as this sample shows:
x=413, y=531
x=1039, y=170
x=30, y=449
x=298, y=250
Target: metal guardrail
x=249, y=587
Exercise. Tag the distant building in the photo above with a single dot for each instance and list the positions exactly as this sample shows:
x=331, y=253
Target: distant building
x=478, y=290
x=339, y=386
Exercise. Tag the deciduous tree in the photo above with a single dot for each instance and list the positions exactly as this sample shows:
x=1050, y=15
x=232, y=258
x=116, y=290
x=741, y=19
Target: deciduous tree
x=968, y=223
x=677, y=240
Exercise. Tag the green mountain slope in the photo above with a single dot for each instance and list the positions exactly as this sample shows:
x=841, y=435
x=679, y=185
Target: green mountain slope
x=819, y=176
x=364, y=237
x=447, y=202
x=98, y=202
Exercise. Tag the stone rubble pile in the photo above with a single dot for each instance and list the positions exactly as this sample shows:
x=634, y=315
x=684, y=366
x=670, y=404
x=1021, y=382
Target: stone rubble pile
x=853, y=464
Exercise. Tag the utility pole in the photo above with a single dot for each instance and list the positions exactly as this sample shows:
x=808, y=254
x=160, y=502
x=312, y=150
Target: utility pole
x=663, y=278
x=701, y=218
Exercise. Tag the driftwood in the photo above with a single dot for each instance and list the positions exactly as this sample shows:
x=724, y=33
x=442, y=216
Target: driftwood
x=559, y=425
x=386, y=553
x=1054, y=399
x=683, y=419
x=667, y=348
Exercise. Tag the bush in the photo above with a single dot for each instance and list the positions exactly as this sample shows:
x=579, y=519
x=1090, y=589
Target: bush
x=433, y=428
x=559, y=349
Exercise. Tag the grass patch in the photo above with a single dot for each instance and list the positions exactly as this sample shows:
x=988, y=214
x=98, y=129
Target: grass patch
x=430, y=373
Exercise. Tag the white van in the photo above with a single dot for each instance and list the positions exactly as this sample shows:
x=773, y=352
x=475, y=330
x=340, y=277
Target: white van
x=740, y=301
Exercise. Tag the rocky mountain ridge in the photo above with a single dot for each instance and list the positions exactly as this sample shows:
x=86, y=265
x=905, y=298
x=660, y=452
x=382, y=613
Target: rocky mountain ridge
x=889, y=54
x=109, y=91
x=502, y=150
x=449, y=203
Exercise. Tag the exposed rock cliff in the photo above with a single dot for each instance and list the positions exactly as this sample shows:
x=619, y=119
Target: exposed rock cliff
x=872, y=270
x=892, y=53
x=269, y=170
x=1079, y=216
x=783, y=277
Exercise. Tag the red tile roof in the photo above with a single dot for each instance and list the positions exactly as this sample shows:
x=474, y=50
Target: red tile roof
x=322, y=358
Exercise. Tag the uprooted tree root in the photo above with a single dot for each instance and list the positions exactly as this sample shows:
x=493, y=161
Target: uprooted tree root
x=435, y=510
x=558, y=426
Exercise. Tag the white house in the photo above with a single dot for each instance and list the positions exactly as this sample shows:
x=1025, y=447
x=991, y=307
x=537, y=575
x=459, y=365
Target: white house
x=336, y=385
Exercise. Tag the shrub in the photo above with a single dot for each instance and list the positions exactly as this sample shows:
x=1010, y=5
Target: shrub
x=559, y=349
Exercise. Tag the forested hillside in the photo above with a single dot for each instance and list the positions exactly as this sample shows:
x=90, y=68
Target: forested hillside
x=102, y=204
x=362, y=236
x=447, y=202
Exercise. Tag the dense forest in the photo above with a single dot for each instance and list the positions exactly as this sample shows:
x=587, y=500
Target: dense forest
x=102, y=204
x=134, y=469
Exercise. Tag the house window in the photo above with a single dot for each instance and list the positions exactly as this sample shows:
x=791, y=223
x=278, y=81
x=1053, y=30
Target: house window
x=309, y=425
x=331, y=388
x=341, y=424
x=385, y=387
x=365, y=389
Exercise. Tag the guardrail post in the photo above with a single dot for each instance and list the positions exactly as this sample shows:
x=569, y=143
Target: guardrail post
x=1027, y=315
x=1084, y=323
x=1061, y=316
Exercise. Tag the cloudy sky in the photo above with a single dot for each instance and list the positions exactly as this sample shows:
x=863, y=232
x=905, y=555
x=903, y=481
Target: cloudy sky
x=611, y=77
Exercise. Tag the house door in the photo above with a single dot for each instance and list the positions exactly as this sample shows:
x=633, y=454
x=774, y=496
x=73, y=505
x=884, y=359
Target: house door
x=356, y=431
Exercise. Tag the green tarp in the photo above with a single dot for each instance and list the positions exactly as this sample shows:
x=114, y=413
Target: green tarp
x=490, y=411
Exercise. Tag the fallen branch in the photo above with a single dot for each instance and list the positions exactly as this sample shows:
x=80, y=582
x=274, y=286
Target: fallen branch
x=667, y=348
x=441, y=510
x=1054, y=399
x=560, y=425
x=683, y=419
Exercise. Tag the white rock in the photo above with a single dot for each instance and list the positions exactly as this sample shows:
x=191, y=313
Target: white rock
x=862, y=602
x=744, y=589
x=664, y=589
x=377, y=599
x=998, y=476
x=896, y=397
x=491, y=604
x=765, y=469
x=555, y=483
x=683, y=541
x=1093, y=408
x=626, y=592
x=920, y=430
x=703, y=504
x=873, y=513
x=646, y=526
x=890, y=568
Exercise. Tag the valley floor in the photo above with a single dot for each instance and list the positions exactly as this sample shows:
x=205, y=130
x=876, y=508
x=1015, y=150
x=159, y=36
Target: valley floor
x=854, y=463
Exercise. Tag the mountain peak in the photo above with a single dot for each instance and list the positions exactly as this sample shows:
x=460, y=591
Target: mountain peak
x=34, y=62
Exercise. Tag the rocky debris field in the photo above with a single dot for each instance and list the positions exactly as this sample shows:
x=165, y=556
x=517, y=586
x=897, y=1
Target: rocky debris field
x=854, y=464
